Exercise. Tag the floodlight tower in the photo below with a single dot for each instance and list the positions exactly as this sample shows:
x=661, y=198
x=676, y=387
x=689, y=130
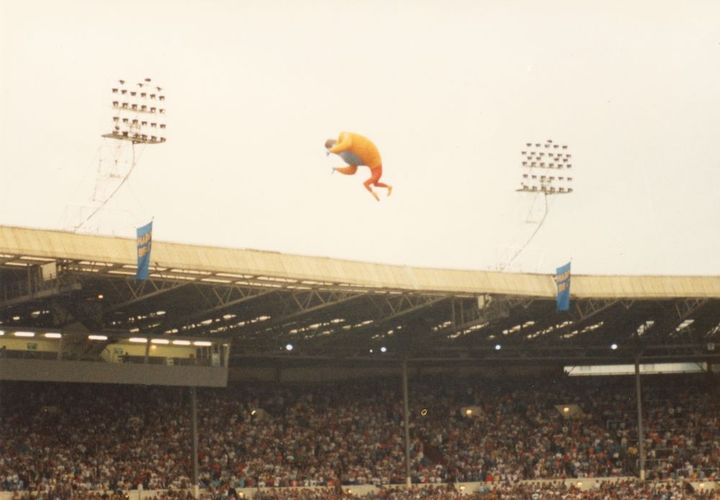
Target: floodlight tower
x=546, y=170
x=138, y=120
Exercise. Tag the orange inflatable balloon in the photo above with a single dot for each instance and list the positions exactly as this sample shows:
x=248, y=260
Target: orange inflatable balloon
x=357, y=150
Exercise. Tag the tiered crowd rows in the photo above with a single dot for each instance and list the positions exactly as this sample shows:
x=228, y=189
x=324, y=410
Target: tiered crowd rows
x=72, y=438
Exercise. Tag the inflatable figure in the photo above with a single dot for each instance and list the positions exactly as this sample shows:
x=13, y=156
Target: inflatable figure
x=358, y=151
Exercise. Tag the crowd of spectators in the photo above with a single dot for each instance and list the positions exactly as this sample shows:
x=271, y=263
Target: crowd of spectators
x=611, y=490
x=70, y=438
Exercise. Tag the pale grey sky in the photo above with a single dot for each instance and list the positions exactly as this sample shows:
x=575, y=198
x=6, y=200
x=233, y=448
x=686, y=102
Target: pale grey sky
x=449, y=91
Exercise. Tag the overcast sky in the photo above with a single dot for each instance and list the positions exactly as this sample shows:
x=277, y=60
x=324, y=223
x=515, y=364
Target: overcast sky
x=450, y=91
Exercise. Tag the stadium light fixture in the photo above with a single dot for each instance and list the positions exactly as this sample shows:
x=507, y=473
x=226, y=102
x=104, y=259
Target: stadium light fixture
x=546, y=168
x=131, y=112
x=24, y=334
x=2, y=332
x=160, y=341
x=383, y=349
x=289, y=347
x=181, y=342
x=52, y=335
x=97, y=337
x=138, y=340
x=613, y=346
x=685, y=324
x=498, y=347
x=202, y=343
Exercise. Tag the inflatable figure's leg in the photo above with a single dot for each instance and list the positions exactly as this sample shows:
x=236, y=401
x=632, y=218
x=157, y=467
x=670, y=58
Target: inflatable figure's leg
x=367, y=186
x=347, y=170
x=375, y=180
x=376, y=173
x=386, y=186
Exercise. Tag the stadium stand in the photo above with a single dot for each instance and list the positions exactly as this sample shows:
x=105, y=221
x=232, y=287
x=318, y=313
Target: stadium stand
x=313, y=348
x=67, y=440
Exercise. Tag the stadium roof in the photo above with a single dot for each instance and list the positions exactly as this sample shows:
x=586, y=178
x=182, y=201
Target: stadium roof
x=264, y=300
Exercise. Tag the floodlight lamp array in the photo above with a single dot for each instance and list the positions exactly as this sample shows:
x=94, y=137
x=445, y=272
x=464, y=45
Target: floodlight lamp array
x=138, y=113
x=546, y=168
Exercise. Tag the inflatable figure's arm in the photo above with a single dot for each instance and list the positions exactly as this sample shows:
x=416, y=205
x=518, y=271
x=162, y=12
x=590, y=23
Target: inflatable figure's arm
x=344, y=143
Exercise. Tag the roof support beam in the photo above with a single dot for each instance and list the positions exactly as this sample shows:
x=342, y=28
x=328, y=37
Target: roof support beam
x=221, y=303
x=390, y=309
x=302, y=304
x=148, y=289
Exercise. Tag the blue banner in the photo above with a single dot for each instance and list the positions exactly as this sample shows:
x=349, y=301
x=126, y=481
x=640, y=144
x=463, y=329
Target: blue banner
x=562, y=279
x=144, y=245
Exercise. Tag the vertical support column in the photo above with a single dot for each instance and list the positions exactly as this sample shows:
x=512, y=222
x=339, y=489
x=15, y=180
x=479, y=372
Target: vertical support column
x=226, y=355
x=641, y=434
x=193, y=410
x=29, y=280
x=407, y=422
